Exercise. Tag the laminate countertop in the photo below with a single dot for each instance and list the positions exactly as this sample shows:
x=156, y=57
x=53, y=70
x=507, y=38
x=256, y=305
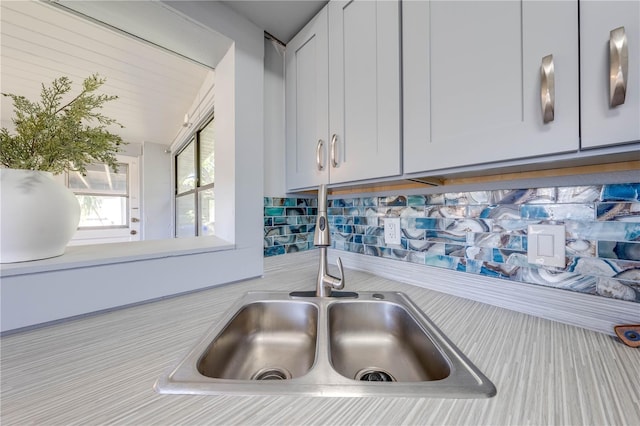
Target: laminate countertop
x=100, y=369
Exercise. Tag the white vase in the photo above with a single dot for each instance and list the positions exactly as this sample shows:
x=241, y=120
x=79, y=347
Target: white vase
x=38, y=216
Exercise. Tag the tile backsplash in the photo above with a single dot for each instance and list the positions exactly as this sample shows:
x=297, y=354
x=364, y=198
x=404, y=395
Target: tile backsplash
x=484, y=232
x=288, y=224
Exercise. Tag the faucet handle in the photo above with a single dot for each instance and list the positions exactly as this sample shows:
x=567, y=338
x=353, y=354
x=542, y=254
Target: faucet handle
x=340, y=284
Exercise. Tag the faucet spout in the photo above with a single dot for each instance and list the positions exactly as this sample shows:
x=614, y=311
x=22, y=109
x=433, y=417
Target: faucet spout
x=322, y=239
x=327, y=282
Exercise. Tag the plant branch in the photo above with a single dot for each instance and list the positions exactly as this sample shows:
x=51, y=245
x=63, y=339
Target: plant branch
x=46, y=140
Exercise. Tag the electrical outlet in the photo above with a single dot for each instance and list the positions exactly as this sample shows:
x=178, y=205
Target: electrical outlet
x=546, y=245
x=392, y=230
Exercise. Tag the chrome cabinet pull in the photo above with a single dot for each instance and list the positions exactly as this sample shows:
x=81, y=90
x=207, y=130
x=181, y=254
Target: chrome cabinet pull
x=547, y=89
x=319, y=155
x=334, y=154
x=618, y=66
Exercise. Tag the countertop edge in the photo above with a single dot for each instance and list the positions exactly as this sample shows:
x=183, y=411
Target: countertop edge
x=111, y=253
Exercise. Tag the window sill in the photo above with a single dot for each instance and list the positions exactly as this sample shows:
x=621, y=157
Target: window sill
x=113, y=253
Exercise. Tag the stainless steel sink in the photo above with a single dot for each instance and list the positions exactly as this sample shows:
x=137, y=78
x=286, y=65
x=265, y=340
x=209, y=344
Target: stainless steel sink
x=264, y=341
x=377, y=344
x=381, y=341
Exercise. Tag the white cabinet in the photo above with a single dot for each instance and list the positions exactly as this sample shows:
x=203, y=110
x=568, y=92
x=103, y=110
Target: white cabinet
x=307, y=104
x=364, y=89
x=601, y=123
x=472, y=81
x=343, y=95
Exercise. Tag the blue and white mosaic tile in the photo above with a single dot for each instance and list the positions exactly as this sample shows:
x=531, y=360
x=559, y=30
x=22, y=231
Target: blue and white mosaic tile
x=621, y=192
x=288, y=224
x=484, y=232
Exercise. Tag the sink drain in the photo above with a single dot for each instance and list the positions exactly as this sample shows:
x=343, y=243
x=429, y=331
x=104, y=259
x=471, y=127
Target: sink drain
x=374, y=375
x=271, y=373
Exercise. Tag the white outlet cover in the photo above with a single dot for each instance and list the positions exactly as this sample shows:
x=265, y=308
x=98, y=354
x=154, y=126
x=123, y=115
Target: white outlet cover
x=392, y=230
x=546, y=245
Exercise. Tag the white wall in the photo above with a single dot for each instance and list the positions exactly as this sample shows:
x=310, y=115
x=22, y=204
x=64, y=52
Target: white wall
x=274, y=124
x=225, y=148
x=155, y=192
x=239, y=94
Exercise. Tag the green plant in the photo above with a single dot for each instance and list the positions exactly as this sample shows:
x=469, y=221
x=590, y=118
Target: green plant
x=56, y=137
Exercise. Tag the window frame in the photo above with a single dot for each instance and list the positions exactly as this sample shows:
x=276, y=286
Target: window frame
x=192, y=138
x=97, y=193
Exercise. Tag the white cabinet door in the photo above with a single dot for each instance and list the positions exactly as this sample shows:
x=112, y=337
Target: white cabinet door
x=306, y=105
x=602, y=124
x=472, y=81
x=364, y=89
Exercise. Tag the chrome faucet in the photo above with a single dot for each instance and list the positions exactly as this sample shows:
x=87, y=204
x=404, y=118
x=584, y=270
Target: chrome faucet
x=322, y=239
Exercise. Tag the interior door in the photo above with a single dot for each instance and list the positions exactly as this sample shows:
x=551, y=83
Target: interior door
x=109, y=203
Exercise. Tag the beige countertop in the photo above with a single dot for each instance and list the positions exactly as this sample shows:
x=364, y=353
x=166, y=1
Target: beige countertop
x=101, y=368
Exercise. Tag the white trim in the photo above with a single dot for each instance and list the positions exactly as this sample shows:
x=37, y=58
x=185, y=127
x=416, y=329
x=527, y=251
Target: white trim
x=582, y=310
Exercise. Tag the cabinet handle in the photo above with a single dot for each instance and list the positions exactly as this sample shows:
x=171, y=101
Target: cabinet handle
x=547, y=89
x=618, y=66
x=319, y=155
x=334, y=154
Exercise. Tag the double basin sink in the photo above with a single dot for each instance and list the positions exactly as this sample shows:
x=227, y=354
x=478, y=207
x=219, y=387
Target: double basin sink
x=364, y=344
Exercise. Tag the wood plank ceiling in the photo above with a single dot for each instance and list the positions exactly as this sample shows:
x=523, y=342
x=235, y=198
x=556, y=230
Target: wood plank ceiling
x=39, y=43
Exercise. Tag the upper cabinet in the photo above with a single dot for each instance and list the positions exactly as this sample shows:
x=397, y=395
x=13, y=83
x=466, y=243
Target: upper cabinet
x=343, y=95
x=610, y=72
x=364, y=90
x=488, y=81
x=483, y=82
x=307, y=104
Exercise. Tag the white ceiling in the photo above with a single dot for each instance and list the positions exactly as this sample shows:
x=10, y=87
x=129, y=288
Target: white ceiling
x=156, y=22
x=40, y=43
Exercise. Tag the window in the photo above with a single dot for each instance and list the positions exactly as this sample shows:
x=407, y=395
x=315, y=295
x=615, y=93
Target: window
x=103, y=195
x=195, y=204
x=109, y=202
